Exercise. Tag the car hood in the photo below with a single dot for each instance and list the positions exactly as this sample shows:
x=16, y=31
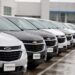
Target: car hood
x=66, y=31
x=70, y=30
x=42, y=33
x=8, y=40
x=54, y=31
x=22, y=35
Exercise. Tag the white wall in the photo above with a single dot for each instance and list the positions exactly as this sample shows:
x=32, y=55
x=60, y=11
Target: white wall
x=9, y=3
x=45, y=9
x=0, y=7
x=33, y=9
x=28, y=8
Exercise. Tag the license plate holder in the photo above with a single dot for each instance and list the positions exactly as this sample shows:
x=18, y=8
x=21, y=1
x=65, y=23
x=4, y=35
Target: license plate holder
x=50, y=50
x=59, y=46
x=36, y=56
x=68, y=43
x=8, y=67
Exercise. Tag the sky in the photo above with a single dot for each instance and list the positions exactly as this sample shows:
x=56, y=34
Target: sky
x=50, y=0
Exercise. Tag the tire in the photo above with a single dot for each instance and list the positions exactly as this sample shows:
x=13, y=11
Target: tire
x=48, y=58
x=32, y=66
x=18, y=73
x=58, y=53
x=22, y=73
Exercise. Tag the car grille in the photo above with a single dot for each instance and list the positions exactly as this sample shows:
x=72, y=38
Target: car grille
x=10, y=56
x=10, y=47
x=30, y=41
x=74, y=36
x=68, y=38
x=50, y=43
x=61, y=40
x=49, y=38
x=34, y=48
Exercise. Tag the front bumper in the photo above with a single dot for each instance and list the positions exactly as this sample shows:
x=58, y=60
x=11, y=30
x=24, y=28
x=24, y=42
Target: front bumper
x=18, y=69
x=73, y=41
x=20, y=64
x=61, y=47
x=54, y=53
x=32, y=61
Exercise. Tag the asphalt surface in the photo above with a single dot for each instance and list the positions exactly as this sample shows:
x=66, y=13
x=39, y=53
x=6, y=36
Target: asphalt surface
x=62, y=65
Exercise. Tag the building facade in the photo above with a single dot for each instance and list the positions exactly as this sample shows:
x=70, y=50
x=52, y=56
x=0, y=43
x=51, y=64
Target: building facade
x=57, y=11
x=63, y=12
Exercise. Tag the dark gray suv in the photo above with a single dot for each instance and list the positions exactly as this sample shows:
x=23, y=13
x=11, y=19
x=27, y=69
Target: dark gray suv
x=34, y=44
x=50, y=39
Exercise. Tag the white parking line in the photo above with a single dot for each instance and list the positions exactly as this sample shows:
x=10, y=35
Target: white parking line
x=42, y=72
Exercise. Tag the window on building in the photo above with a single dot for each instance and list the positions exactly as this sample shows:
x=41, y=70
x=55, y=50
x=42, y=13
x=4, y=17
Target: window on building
x=53, y=16
x=57, y=16
x=62, y=17
x=7, y=10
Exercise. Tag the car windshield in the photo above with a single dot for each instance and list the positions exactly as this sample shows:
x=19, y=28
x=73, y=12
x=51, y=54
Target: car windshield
x=59, y=25
x=41, y=24
x=48, y=24
x=68, y=26
x=72, y=26
x=7, y=25
x=22, y=23
x=36, y=23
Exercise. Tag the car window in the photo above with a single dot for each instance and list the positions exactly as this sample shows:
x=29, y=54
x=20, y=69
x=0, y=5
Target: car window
x=59, y=25
x=48, y=24
x=72, y=26
x=22, y=23
x=7, y=25
x=37, y=24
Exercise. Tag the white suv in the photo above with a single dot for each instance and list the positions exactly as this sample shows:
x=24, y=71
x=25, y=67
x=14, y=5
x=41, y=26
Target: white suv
x=13, y=56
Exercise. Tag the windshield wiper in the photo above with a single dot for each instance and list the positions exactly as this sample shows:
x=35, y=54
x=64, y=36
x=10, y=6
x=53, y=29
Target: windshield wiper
x=27, y=29
x=13, y=30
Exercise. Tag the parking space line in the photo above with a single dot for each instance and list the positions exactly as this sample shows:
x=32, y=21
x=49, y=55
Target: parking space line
x=42, y=72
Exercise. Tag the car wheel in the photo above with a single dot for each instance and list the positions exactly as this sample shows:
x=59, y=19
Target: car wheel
x=32, y=66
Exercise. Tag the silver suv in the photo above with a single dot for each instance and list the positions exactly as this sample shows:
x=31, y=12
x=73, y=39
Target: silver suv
x=13, y=56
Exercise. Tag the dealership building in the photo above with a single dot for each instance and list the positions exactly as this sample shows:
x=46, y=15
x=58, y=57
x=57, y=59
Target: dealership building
x=45, y=9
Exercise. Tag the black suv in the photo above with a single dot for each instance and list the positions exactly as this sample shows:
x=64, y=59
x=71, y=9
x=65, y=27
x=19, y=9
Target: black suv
x=34, y=44
x=50, y=39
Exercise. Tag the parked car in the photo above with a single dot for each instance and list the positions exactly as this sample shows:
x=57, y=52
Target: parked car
x=34, y=44
x=46, y=26
x=50, y=39
x=64, y=29
x=13, y=56
x=71, y=28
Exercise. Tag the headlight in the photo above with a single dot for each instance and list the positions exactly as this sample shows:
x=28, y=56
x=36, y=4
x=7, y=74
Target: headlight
x=22, y=46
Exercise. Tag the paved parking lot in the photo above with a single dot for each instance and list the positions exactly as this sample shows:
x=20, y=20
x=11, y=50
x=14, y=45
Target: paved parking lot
x=62, y=65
